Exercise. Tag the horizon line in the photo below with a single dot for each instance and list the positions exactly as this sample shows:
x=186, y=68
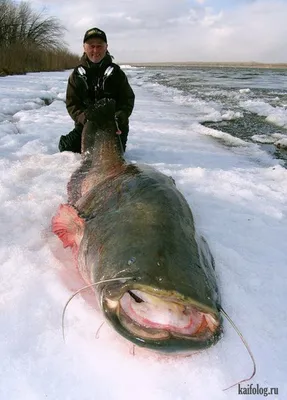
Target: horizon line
x=207, y=63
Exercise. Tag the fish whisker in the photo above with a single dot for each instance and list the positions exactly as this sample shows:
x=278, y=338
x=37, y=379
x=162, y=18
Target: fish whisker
x=246, y=346
x=98, y=331
x=84, y=288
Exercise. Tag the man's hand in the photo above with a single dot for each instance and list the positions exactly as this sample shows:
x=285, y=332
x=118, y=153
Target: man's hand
x=91, y=113
x=102, y=109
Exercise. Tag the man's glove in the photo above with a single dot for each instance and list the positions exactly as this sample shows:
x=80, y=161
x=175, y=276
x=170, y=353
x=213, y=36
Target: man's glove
x=102, y=109
x=121, y=118
x=91, y=113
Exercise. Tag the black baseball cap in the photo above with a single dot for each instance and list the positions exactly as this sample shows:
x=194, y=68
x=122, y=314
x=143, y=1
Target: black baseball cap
x=95, y=32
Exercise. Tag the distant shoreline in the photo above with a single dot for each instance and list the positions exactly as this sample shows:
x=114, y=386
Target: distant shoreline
x=207, y=64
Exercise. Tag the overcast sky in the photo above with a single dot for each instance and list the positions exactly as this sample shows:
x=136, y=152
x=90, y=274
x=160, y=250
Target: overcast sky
x=179, y=30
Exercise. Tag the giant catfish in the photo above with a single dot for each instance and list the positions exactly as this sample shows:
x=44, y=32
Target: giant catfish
x=129, y=224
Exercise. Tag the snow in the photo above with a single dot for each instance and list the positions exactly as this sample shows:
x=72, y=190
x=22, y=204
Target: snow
x=276, y=115
x=238, y=195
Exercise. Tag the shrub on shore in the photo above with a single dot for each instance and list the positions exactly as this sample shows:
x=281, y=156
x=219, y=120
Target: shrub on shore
x=30, y=41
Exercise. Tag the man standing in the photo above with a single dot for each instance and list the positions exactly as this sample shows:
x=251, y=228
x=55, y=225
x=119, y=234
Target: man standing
x=95, y=78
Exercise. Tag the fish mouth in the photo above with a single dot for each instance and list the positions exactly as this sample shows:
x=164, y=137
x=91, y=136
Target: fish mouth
x=162, y=321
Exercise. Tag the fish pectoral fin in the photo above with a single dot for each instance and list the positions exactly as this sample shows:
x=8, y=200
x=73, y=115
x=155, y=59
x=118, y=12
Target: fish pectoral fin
x=68, y=226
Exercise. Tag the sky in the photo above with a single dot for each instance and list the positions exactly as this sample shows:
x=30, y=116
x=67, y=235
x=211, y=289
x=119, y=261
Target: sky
x=238, y=196
x=179, y=30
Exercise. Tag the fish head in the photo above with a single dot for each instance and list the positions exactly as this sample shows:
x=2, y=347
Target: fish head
x=160, y=320
x=170, y=305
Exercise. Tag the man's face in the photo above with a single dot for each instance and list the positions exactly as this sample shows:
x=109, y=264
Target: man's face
x=96, y=49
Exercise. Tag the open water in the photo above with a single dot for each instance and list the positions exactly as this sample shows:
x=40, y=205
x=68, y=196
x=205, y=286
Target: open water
x=246, y=103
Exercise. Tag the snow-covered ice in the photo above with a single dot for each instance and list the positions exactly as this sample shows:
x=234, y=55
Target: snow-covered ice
x=238, y=195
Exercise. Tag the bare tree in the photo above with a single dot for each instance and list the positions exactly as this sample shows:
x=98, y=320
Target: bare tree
x=23, y=32
x=20, y=24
